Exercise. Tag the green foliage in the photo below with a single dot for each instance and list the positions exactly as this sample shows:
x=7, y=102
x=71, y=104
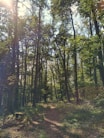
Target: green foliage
x=43, y=91
x=31, y=111
x=85, y=7
x=99, y=101
x=79, y=115
x=3, y=48
x=47, y=52
x=42, y=134
x=83, y=119
x=90, y=91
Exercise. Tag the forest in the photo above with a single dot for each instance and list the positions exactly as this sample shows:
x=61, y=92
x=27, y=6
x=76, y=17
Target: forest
x=52, y=69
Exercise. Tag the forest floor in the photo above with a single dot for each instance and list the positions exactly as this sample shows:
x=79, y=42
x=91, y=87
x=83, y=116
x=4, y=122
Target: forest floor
x=60, y=120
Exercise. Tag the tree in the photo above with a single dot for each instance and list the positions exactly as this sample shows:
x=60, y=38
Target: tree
x=88, y=9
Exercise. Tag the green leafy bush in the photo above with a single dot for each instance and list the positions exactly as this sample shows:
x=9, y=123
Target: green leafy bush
x=99, y=101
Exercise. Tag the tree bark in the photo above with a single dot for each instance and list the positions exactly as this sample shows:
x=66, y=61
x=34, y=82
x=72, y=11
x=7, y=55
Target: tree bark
x=100, y=55
x=36, y=80
x=75, y=61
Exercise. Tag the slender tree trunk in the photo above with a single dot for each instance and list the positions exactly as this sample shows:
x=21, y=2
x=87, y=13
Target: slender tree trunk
x=100, y=55
x=66, y=74
x=82, y=79
x=16, y=56
x=0, y=98
x=25, y=78
x=64, y=66
x=35, y=94
x=60, y=82
x=94, y=60
x=75, y=62
x=54, y=83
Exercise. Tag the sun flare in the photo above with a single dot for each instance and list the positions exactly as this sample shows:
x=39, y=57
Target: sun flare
x=6, y=3
x=9, y=4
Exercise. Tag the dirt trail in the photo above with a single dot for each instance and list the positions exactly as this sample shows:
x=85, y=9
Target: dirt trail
x=52, y=123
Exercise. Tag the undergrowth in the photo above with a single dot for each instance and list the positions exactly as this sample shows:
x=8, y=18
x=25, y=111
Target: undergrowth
x=78, y=121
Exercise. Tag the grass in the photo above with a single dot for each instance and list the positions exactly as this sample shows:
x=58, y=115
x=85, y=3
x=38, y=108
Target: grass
x=84, y=121
x=42, y=134
x=78, y=121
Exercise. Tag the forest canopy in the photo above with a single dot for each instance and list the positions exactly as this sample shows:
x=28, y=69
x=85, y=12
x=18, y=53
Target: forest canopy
x=52, y=51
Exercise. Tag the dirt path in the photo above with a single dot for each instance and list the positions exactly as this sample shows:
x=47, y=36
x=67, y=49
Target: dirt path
x=52, y=123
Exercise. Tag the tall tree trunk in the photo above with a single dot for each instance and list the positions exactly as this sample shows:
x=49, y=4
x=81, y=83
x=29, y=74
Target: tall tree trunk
x=60, y=81
x=15, y=71
x=100, y=55
x=35, y=94
x=94, y=60
x=66, y=74
x=25, y=78
x=82, y=79
x=64, y=66
x=0, y=98
x=54, y=83
x=75, y=61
